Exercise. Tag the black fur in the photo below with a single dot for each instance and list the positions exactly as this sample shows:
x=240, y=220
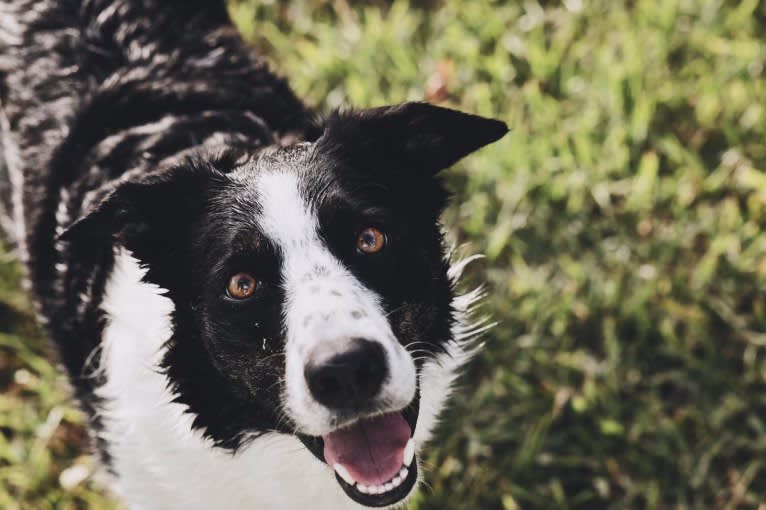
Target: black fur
x=138, y=116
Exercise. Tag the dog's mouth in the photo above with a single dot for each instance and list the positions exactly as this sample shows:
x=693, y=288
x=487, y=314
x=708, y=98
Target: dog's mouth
x=373, y=458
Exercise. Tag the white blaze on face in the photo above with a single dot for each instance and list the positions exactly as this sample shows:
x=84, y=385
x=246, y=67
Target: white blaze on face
x=324, y=304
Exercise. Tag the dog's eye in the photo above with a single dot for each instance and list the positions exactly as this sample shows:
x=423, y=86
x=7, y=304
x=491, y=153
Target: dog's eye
x=241, y=286
x=370, y=240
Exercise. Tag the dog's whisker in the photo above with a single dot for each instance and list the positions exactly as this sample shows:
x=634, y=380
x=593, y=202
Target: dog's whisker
x=395, y=310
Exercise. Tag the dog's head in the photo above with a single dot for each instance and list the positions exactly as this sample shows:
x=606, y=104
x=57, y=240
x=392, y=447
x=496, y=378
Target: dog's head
x=311, y=287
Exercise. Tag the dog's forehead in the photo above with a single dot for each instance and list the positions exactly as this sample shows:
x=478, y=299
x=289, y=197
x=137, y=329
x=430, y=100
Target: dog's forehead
x=296, y=164
x=286, y=157
x=281, y=185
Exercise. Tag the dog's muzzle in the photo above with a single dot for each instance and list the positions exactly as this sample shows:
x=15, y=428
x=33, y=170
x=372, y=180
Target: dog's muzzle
x=373, y=457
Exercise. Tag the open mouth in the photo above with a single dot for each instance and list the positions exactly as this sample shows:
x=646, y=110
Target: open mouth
x=373, y=458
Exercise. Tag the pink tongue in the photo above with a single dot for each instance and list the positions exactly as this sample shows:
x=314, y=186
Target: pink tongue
x=372, y=450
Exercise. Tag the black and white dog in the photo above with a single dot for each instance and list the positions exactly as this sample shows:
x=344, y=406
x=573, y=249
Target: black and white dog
x=254, y=306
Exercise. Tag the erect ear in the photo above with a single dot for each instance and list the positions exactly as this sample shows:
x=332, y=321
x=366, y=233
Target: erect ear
x=148, y=213
x=420, y=135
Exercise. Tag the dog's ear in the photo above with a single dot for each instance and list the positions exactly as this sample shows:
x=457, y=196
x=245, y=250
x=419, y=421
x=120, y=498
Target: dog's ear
x=418, y=136
x=148, y=212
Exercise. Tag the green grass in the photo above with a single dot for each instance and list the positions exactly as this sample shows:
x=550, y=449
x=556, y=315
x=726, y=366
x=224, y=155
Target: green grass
x=622, y=219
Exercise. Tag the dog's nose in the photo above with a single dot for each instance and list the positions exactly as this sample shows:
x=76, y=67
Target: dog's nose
x=347, y=380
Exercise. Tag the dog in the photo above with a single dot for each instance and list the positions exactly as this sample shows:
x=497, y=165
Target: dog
x=254, y=304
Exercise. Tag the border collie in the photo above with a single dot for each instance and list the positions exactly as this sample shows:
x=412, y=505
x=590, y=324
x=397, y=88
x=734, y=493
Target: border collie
x=254, y=305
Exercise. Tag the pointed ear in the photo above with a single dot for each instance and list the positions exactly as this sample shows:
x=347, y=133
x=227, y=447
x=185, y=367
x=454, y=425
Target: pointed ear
x=421, y=135
x=145, y=213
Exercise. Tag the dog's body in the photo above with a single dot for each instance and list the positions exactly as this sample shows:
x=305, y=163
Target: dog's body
x=145, y=151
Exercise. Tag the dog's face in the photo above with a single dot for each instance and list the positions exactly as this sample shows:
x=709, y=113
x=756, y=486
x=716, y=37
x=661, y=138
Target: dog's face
x=310, y=285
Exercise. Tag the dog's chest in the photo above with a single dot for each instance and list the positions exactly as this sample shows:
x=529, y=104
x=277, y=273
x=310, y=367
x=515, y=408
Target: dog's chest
x=159, y=461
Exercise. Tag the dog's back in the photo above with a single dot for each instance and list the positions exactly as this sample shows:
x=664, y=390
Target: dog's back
x=83, y=79
x=91, y=89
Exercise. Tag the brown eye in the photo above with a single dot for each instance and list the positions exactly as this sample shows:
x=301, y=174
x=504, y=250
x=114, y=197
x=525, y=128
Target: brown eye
x=370, y=240
x=241, y=286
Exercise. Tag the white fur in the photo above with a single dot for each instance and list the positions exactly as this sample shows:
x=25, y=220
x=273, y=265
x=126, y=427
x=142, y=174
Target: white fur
x=325, y=306
x=14, y=224
x=438, y=375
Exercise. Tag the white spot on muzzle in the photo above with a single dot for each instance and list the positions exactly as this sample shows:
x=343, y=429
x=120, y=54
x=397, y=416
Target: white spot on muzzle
x=324, y=304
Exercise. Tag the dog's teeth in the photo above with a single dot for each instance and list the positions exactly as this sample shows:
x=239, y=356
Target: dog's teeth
x=344, y=474
x=403, y=473
x=362, y=488
x=389, y=486
x=409, y=452
x=397, y=481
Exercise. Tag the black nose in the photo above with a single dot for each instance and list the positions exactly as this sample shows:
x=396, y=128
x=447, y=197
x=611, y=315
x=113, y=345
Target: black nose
x=347, y=380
